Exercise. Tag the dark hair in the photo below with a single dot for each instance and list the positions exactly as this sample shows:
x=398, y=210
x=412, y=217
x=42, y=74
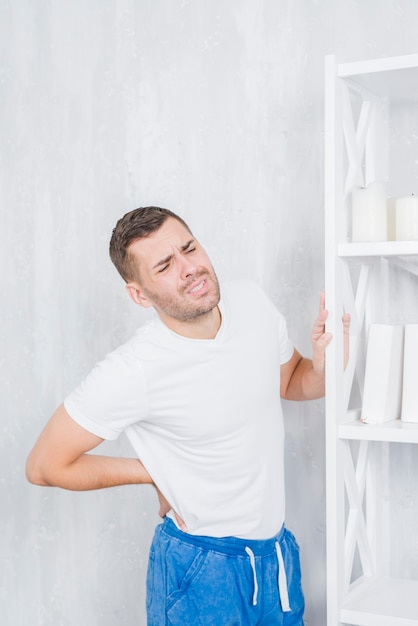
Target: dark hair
x=136, y=224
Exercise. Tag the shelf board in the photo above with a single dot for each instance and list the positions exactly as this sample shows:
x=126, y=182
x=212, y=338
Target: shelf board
x=395, y=76
x=385, y=602
x=378, y=248
x=395, y=431
x=370, y=66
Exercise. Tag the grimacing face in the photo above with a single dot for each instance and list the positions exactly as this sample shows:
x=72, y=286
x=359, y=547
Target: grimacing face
x=176, y=275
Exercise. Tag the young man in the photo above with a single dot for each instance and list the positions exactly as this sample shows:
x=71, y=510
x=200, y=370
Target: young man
x=197, y=391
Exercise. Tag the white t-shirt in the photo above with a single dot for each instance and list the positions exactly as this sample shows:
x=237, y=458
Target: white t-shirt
x=204, y=416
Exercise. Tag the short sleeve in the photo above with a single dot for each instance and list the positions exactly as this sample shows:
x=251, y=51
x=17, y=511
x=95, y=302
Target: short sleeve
x=278, y=321
x=111, y=398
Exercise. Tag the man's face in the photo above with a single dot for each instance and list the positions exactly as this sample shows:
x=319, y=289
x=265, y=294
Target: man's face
x=175, y=274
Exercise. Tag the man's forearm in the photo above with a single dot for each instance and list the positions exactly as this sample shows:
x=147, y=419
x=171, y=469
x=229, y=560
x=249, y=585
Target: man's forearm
x=91, y=471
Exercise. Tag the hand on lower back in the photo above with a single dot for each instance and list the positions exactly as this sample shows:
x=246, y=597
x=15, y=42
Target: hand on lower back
x=165, y=507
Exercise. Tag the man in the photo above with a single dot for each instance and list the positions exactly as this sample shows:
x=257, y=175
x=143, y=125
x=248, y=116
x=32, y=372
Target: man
x=197, y=391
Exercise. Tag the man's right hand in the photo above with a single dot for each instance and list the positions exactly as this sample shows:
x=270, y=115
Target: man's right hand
x=165, y=507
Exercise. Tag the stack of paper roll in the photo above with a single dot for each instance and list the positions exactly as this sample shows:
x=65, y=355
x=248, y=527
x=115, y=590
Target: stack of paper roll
x=378, y=218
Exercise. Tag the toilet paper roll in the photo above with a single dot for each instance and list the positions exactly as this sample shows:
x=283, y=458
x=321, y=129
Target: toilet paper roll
x=407, y=218
x=369, y=213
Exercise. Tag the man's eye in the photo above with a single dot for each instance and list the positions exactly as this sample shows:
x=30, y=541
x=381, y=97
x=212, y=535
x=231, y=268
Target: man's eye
x=190, y=250
x=163, y=269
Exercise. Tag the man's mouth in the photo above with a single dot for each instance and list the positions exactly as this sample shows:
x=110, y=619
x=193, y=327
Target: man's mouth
x=198, y=287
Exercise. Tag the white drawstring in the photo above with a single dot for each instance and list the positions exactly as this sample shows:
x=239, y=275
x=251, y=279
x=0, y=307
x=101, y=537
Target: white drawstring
x=252, y=561
x=282, y=581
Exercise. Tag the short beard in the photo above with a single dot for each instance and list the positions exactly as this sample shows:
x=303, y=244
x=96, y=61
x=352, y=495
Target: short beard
x=187, y=312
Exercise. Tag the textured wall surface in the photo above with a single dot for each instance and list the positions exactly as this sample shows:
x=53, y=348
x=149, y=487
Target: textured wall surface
x=214, y=109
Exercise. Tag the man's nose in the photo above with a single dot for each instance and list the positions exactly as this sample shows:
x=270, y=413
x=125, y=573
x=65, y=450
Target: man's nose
x=187, y=266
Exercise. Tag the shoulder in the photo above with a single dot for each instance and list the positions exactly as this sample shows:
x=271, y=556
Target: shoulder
x=124, y=361
x=248, y=293
x=245, y=300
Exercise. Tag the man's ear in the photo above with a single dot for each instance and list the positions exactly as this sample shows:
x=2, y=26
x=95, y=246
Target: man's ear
x=136, y=295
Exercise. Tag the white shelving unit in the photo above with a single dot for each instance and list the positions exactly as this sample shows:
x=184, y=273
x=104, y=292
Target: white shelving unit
x=362, y=590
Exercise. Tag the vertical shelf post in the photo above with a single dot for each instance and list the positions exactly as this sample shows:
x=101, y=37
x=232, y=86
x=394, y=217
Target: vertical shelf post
x=334, y=381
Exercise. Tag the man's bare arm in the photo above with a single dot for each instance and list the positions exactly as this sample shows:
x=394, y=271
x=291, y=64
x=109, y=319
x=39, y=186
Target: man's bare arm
x=299, y=380
x=59, y=458
x=304, y=379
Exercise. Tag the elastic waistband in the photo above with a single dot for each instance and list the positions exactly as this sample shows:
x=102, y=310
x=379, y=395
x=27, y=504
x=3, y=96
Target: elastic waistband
x=231, y=546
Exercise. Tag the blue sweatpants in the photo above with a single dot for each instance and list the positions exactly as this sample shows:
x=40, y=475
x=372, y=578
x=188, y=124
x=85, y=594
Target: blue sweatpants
x=205, y=581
